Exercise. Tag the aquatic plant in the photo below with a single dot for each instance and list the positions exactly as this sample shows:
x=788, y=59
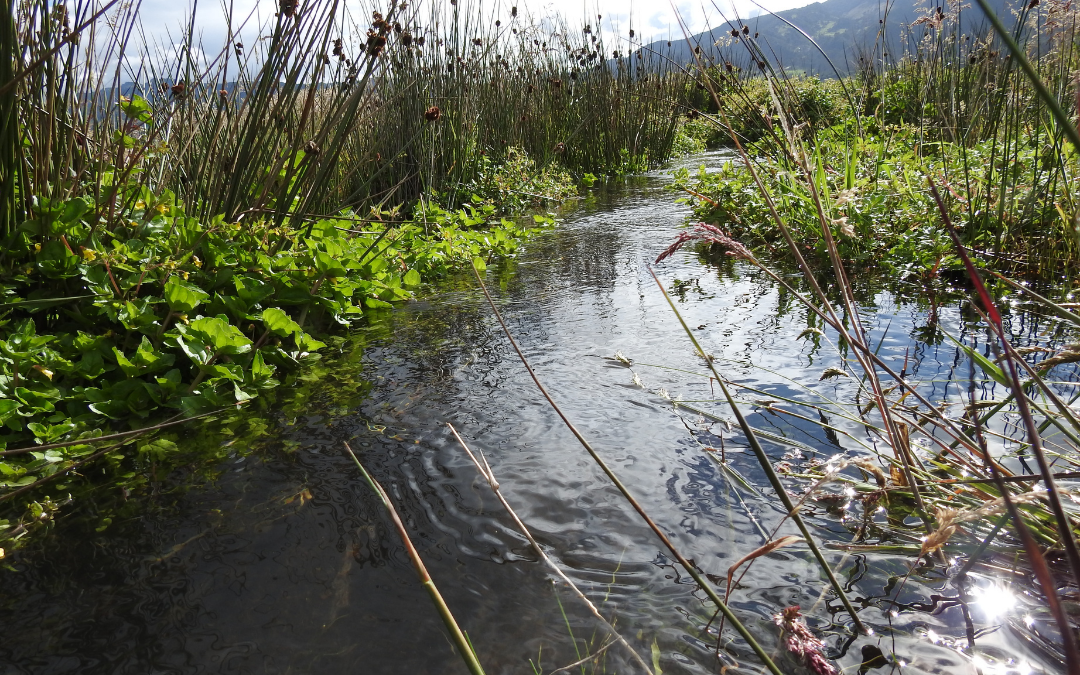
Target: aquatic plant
x=943, y=469
x=166, y=243
x=949, y=103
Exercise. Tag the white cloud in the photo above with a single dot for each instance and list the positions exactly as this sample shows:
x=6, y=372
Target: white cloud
x=166, y=20
x=651, y=19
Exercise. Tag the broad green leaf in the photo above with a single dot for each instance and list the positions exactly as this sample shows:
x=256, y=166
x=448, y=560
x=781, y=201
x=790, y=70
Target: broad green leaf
x=197, y=351
x=122, y=139
x=328, y=266
x=412, y=278
x=240, y=394
x=251, y=290
x=149, y=358
x=260, y=369
x=74, y=209
x=8, y=408
x=223, y=337
x=306, y=343
x=377, y=265
x=183, y=297
x=159, y=448
x=138, y=314
x=129, y=368
x=37, y=401
x=279, y=323
x=137, y=108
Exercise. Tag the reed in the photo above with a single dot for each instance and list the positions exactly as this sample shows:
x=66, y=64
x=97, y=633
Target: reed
x=322, y=110
x=977, y=109
x=468, y=654
x=974, y=149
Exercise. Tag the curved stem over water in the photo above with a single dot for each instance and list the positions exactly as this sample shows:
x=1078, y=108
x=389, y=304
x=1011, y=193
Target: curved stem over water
x=690, y=569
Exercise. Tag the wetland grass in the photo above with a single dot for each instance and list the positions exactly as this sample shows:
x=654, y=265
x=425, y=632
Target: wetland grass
x=961, y=474
x=179, y=221
x=978, y=109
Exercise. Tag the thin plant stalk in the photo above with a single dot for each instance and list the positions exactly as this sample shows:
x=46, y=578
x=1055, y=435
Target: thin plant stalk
x=697, y=576
x=465, y=648
x=489, y=476
x=766, y=466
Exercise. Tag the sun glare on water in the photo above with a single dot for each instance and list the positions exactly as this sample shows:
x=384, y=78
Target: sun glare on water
x=994, y=601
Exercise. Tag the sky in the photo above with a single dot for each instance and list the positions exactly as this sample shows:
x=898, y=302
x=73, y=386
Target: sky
x=165, y=21
x=655, y=19
x=651, y=19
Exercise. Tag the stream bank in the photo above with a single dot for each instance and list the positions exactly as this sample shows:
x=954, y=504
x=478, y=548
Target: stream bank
x=282, y=561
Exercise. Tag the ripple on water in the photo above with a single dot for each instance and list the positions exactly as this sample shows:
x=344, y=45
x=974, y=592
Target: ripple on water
x=287, y=564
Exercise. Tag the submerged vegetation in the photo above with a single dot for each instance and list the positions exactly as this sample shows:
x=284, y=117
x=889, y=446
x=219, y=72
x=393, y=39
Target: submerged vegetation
x=182, y=228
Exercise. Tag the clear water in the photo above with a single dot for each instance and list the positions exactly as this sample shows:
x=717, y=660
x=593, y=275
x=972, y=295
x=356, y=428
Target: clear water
x=281, y=561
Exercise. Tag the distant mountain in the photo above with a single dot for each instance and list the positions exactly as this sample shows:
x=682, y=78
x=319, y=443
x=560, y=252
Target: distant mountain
x=842, y=28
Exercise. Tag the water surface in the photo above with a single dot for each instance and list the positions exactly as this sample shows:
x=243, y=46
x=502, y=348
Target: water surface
x=283, y=561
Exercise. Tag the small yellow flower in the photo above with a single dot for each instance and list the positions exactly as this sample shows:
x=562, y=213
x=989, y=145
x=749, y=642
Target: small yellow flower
x=140, y=204
x=88, y=253
x=186, y=275
x=184, y=319
x=44, y=371
x=37, y=248
x=162, y=209
x=196, y=261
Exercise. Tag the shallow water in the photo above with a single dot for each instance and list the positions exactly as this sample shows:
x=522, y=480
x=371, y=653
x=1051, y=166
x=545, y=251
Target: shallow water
x=284, y=562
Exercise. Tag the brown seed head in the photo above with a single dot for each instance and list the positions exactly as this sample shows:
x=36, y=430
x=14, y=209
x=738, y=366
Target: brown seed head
x=432, y=114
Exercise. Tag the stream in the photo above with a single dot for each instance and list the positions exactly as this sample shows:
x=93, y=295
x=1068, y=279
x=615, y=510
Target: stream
x=280, y=560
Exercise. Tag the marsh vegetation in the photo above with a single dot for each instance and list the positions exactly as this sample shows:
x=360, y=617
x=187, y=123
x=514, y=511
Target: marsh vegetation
x=184, y=235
